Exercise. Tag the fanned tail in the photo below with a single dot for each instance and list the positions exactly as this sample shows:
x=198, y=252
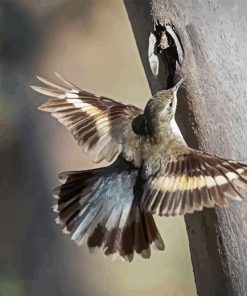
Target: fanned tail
x=101, y=208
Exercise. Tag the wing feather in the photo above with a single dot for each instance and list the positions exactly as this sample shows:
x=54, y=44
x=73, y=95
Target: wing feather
x=99, y=124
x=194, y=180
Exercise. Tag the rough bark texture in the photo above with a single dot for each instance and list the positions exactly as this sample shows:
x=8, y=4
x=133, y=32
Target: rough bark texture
x=215, y=68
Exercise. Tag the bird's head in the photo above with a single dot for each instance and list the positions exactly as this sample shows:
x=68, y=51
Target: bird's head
x=161, y=108
x=164, y=103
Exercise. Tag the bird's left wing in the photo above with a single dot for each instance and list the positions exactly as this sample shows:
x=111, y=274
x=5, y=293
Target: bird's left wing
x=99, y=124
x=191, y=180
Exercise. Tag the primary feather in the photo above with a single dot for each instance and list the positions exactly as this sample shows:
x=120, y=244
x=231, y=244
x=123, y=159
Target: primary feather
x=99, y=124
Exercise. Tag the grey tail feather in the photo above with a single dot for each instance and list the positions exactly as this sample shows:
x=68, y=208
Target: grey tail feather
x=101, y=207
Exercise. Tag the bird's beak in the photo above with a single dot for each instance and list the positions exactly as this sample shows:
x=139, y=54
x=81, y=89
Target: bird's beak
x=176, y=87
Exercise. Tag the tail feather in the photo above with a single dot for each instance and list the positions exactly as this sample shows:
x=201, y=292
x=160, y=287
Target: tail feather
x=101, y=207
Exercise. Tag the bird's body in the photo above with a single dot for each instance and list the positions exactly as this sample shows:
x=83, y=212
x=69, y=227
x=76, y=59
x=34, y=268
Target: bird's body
x=155, y=171
x=161, y=139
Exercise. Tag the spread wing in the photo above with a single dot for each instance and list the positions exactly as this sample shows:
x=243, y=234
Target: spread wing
x=190, y=181
x=99, y=124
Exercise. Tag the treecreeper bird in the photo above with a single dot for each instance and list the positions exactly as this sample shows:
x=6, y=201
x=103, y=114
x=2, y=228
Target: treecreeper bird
x=154, y=171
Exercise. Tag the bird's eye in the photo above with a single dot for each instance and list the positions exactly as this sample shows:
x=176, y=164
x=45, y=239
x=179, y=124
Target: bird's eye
x=170, y=105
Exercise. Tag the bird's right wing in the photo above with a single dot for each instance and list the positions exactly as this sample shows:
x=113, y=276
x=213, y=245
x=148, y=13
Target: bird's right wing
x=99, y=124
x=191, y=180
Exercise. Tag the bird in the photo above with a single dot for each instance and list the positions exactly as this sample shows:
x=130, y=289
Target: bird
x=149, y=170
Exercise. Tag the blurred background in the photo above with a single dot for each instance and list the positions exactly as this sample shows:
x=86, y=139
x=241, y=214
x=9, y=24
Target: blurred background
x=91, y=44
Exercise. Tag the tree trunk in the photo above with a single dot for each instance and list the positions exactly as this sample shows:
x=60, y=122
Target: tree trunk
x=212, y=116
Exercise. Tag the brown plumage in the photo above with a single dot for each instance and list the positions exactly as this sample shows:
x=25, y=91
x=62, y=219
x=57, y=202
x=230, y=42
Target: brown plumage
x=155, y=172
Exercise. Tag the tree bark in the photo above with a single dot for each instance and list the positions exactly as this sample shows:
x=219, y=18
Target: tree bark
x=212, y=116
